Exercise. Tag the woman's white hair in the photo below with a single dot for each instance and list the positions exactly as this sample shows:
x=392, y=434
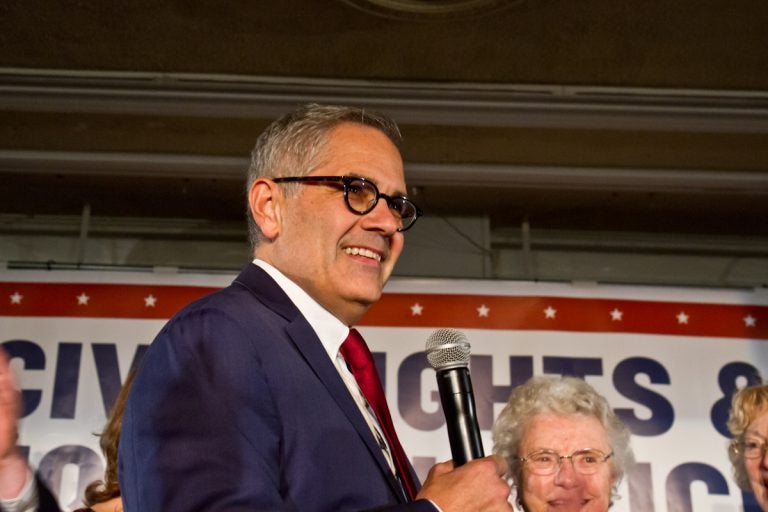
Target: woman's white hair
x=562, y=396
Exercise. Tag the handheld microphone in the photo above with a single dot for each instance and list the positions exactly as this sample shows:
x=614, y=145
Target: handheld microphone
x=448, y=352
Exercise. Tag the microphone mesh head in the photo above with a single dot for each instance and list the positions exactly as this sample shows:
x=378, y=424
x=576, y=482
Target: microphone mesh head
x=447, y=348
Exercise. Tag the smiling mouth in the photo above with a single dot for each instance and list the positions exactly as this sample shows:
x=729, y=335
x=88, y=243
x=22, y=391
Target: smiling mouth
x=359, y=251
x=567, y=504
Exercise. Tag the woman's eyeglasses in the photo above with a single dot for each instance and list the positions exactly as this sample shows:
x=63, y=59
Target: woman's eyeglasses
x=547, y=462
x=750, y=448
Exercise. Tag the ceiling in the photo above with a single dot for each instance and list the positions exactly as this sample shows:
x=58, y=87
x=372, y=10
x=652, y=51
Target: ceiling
x=591, y=116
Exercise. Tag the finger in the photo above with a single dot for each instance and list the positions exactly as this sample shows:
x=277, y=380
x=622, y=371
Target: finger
x=6, y=388
x=5, y=363
x=501, y=464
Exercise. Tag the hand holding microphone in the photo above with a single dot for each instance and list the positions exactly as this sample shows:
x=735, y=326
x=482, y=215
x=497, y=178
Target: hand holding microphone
x=472, y=482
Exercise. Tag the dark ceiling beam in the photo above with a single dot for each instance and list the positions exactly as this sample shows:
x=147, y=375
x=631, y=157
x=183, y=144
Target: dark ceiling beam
x=460, y=104
x=419, y=174
x=151, y=165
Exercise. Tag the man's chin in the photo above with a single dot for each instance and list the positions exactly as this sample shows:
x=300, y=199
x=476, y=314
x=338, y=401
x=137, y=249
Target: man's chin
x=355, y=306
x=364, y=292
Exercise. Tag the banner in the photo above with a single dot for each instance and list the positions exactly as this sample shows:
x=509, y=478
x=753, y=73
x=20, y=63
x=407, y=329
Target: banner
x=666, y=359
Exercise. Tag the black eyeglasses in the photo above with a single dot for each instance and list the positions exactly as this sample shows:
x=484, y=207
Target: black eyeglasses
x=362, y=196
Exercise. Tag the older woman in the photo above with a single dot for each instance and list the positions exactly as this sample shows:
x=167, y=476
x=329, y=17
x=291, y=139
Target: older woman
x=748, y=424
x=565, y=447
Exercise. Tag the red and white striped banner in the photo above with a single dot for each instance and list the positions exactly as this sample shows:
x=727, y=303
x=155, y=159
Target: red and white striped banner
x=667, y=359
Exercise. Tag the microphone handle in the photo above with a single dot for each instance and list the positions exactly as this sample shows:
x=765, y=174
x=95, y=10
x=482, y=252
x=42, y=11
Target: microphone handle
x=456, y=395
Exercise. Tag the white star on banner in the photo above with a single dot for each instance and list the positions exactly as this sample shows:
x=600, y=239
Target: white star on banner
x=149, y=301
x=616, y=315
x=483, y=310
x=750, y=321
x=16, y=298
x=82, y=299
x=682, y=318
x=550, y=312
x=416, y=309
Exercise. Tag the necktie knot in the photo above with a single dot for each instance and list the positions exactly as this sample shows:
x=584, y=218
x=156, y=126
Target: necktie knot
x=356, y=353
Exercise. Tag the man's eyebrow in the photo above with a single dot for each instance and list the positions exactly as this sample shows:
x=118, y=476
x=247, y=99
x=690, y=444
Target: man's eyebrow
x=396, y=193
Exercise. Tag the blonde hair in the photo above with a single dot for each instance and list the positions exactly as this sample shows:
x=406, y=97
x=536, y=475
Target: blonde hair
x=746, y=405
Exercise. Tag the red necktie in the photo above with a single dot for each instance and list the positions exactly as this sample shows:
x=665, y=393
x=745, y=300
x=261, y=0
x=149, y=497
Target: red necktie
x=360, y=362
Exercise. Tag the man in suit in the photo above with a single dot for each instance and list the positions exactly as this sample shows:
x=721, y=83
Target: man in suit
x=245, y=400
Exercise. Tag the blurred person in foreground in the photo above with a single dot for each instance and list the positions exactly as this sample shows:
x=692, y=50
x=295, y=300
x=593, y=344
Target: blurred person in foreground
x=20, y=489
x=565, y=448
x=748, y=424
x=104, y=495
x=261, y=396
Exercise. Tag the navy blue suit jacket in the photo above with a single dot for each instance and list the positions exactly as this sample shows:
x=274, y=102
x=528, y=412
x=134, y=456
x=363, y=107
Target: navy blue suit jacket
x=237, y=407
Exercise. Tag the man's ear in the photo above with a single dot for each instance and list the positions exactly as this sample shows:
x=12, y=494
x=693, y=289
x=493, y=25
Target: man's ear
x=264, y=202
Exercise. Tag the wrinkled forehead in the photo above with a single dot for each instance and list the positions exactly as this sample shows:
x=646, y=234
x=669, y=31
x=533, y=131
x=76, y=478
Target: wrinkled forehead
x=364, y=151
x=564, y=433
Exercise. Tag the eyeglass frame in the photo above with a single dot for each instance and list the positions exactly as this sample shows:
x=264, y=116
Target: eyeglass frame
x=602, y=458
x=346, y=182
x=739, y=449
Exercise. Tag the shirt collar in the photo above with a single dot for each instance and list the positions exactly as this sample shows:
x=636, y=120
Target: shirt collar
x=331, y=331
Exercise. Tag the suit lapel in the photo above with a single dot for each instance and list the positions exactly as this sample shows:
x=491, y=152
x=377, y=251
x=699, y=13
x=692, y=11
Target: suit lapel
x=317, y=358
x=311, y=349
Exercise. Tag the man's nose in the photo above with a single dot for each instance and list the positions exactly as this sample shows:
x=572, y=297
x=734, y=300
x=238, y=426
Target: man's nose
x=383, y=217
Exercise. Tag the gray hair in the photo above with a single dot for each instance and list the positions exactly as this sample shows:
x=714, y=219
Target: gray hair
x=293, y=145
x=563, y=396
x=746, y=405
